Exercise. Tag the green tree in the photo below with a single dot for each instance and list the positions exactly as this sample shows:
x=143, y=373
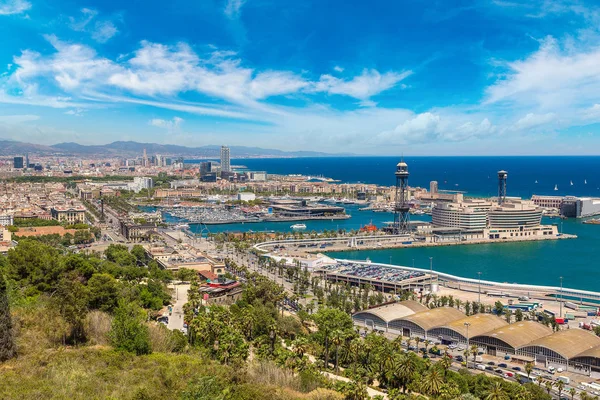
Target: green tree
x=104, y=292
x=518, y=315
x=329, y=320
x=529, y=369
x=496, y=392
x=128, y=331
x=498, y=308
x=71, y=300
x=7, y=341
x=432, y=382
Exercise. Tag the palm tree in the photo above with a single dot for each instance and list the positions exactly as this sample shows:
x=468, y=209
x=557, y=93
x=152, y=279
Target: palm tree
x=300, y=346
x=560, y=386
x=528, y=369
x=432, y=382
x=474, y=350
x=549, y=385
x=539, y=381
x=445, y=363
x=427, y=343
x=337, y=338
x=405, y=369
x=495, y=392
x=572, y=392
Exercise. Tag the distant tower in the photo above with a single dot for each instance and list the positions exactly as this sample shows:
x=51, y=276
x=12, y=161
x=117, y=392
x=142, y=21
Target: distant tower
x=401, y=208
x=433, y=187
x=145, y=159
x=26, y=160
x=225, y=159
x=502, y=186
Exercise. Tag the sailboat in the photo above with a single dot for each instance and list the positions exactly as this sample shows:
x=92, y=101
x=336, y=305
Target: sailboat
x=555, y=187
x=536, y=181
x=585, y=181
x=571, y=183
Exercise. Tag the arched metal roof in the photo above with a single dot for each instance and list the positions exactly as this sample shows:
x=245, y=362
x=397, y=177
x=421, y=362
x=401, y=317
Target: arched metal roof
x=518, y=334
x=568, y=343
x=394, y=311
x=435, y=317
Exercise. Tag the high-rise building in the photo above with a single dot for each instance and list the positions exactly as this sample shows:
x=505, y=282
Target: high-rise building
x=18, y=162
x=433, y=187
x=26, y=160
x=205, y=168
x=145, y=159
x=225, y=160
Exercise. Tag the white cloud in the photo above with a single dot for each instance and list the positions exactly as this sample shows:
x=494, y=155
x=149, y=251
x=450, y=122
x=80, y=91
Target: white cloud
x=170, y=125
x=77, y=112
x=233, y=8
x=17, y=119
x=422, y=128
x=337, y=68
x=592, y=113
x=534, y=120
x=9, y=7
x=79, y=24
x=368, y=84
x=103, y=31
x=550, y=78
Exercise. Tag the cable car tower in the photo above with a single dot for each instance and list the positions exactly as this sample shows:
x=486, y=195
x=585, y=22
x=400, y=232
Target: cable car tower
x=401, y=207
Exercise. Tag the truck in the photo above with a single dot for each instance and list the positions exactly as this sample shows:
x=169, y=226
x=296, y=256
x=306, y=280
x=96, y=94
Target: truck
x=564, y=379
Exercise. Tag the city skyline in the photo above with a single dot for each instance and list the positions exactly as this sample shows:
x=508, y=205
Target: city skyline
x=485, y=77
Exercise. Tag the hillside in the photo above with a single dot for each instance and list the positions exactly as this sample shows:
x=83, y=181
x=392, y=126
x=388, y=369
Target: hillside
x=136, y=149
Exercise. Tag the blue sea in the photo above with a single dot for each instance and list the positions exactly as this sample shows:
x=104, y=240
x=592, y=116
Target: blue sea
x=577, y=261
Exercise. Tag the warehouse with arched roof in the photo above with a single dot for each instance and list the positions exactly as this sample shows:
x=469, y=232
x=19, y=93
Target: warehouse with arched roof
x=509, y=338
x=560, y=347
x=421, y=323
x=459, y=330
x=590, y=358
x=379, y=317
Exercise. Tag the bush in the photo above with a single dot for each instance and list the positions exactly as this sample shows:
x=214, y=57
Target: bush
x=166, y=341
x=128, y=331
x=97, y=327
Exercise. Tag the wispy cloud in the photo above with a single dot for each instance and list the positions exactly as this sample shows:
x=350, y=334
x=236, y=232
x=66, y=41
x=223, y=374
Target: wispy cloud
x=101, y=30
x=170, y=125
x=10, y=7
x=233, y=8
x=17, y=119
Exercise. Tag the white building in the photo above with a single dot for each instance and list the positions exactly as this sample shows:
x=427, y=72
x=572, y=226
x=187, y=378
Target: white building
x=225, y=159
x=246, y=196
x=471, y=214
x=141, y=182
x=6, y=220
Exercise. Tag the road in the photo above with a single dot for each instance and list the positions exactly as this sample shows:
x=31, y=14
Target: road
x=176, y=318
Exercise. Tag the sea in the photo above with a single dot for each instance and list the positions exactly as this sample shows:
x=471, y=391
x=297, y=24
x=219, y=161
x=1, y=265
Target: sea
x=577, y=261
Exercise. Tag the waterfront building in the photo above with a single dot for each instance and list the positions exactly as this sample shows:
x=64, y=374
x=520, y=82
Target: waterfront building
x=548, y=201
x=469, y=215
x=225, y=159
x=580, y=207
x=515, y=213
x=433, y=187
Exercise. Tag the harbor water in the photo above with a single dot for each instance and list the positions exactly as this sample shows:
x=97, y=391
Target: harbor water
x=542, y=262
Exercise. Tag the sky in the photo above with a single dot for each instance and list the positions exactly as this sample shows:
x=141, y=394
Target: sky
x=412, y=77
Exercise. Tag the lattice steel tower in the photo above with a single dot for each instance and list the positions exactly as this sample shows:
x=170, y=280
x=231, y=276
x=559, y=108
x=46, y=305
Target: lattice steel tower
x=502, y=186
x=401, y=207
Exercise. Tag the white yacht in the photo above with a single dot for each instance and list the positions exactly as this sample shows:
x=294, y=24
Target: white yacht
x=555, y=187
x=298, y=226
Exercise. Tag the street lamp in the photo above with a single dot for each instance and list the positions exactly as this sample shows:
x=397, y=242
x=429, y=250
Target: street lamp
x=431, y=273
x=479, y=288
x=561, y=296
x=467, y=324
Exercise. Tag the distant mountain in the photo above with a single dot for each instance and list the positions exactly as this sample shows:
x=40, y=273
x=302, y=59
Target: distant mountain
x=135, y=149
x=12, y=147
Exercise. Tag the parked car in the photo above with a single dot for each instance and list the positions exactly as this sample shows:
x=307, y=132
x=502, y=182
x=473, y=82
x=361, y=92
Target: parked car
x=499, y=371
x=489, y=368
x=491, y=363
x=459, y=358
x=516, y=368
x=503, y=365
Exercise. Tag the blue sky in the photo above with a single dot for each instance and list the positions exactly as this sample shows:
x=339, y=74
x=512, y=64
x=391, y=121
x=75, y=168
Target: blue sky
x=384, y=77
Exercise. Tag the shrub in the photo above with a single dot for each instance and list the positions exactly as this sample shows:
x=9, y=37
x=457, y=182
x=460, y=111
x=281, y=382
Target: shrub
x=128, y=331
